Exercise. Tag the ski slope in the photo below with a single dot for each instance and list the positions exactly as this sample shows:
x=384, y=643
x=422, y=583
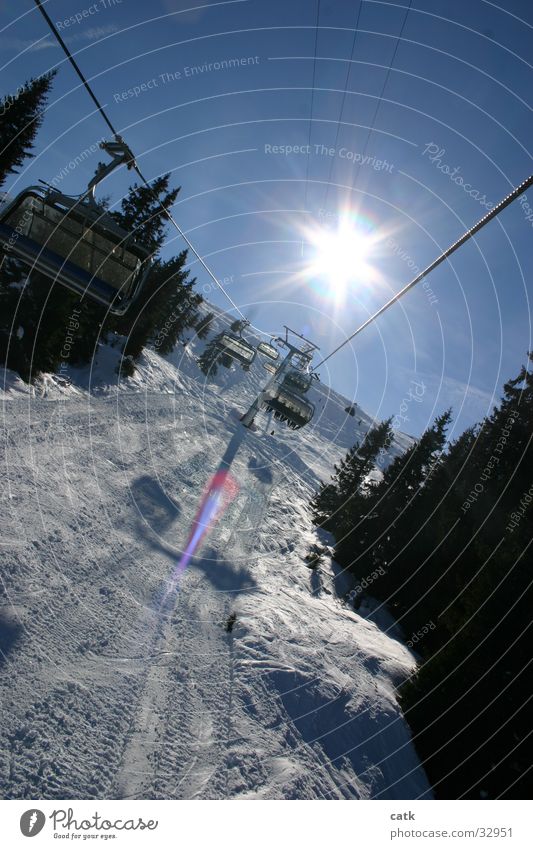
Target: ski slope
x=105, y=693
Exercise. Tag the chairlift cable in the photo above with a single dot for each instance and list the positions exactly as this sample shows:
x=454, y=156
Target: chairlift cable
x=384, y=86
x=75, y=65
x=519, y=190
x=345, y=92
x=312, y=102
x=134, y=165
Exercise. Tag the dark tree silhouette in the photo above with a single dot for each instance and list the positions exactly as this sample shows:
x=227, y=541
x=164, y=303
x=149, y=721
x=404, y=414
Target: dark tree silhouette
x=21, y=115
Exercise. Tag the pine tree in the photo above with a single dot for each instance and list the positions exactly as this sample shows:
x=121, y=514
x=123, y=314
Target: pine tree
x=174, y=306
x=28, y=343
x=384, y=514
x=431, y=556
x=142, y=211
x=208, y=360
x=167, y=304
x=477, y=584
x=333, y=505
x=203, y=324
x=165, y=308
x=451, y=527
x=21, y=116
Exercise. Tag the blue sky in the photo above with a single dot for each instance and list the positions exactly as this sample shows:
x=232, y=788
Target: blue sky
x=217, y=93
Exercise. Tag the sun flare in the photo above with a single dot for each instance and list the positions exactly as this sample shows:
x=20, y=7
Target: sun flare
x=341, y=255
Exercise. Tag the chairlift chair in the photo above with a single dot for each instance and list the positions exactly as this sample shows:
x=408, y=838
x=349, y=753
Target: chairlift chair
x=297, y=380
x=268, y=350
x=289, y=407
x=75, y=242
x=237, y=348
x=270, y=368
x=284, y=394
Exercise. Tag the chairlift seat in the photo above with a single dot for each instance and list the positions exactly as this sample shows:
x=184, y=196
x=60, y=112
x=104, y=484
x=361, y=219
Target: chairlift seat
x=297, y=380
x=289, y=406
x=268, y=350
x=238, y=348
x=76, y=243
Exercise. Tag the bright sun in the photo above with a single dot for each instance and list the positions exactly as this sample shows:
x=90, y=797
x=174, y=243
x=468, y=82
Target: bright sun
x=340, y=255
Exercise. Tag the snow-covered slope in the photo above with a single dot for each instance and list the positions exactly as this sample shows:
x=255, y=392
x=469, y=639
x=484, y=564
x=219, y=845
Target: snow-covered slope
x=103, y=695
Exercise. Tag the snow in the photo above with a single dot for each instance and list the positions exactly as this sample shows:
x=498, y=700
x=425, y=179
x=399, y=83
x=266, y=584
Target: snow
x=108, y=694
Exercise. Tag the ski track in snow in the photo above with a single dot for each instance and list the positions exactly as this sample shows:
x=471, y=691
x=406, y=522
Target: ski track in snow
x=104, y=694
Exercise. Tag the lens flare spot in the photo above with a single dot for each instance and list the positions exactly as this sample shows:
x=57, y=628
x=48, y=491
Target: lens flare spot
x=218, y=495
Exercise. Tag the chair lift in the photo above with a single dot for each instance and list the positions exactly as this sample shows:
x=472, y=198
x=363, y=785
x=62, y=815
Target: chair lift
x=287, y=400
x=298, y=380
x=268, y=350
x=75, y=242
x=237, y=348
x=284, y=393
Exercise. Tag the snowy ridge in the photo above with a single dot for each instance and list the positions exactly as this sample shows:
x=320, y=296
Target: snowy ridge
x=104, y=696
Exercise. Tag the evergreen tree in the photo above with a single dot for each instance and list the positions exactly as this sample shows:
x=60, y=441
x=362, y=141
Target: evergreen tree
x=452, y=529
x=372, y=531
x=142, y=211
x=334, y=504
x=208, y=360
x=470, y=573
x=22, y=115
x=36, y=319
x=33, y=317
x=167, y=304
x=393, y=501
x=203, y=324
x=175, y=305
